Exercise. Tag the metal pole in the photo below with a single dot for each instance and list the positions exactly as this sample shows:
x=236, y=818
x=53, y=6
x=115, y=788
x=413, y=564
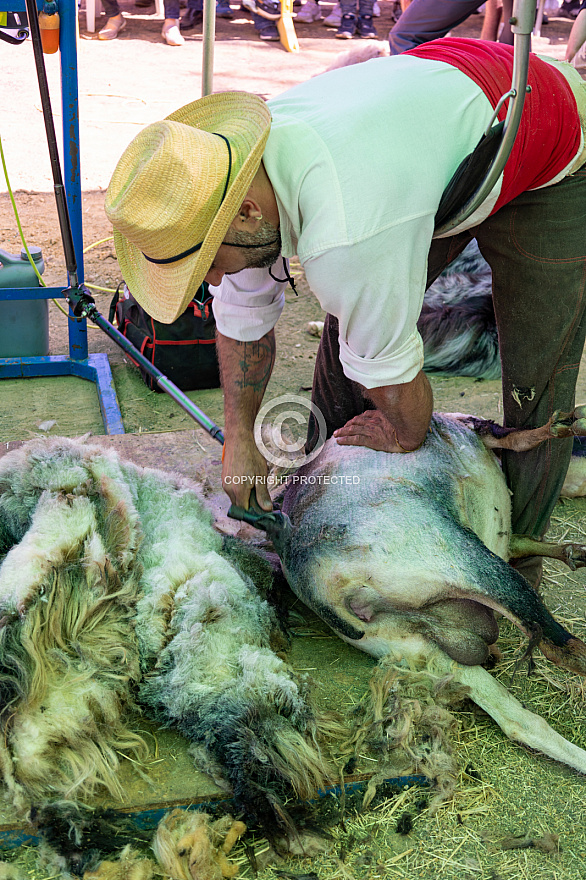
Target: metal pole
x=78, y=343
x=71, y=142
x=209, y=37
x=522, y=23
x=82, y=304
x=60, y=197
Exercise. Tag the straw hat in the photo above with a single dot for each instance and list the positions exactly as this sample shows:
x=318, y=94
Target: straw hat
x=178, y=187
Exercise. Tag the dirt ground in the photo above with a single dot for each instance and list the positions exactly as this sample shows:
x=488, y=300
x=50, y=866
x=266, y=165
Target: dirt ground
x=124, y=85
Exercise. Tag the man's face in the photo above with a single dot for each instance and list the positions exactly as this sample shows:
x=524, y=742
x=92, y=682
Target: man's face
x=245, y=250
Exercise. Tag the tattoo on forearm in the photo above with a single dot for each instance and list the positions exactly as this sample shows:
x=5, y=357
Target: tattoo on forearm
x=256, y=363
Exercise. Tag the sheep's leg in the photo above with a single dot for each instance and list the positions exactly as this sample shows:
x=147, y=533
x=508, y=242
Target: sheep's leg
x=573, y=555
x=517, y=723
x=235, y=832
x=572, y=424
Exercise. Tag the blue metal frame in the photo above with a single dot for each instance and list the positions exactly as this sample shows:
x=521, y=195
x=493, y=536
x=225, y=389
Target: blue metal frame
x=148, y=819
x=95, y=368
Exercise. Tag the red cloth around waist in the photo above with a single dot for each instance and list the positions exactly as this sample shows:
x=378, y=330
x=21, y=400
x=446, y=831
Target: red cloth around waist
x=549, y=135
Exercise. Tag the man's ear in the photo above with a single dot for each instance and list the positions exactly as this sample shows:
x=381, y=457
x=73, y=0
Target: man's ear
x=249, y=216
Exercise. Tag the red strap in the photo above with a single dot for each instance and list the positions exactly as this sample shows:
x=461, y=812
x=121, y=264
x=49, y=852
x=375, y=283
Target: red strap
x=175, y=342
x=549, y=134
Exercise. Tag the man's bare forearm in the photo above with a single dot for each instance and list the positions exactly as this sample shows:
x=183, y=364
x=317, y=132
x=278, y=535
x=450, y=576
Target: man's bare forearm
x=407, y=407
x=245, y=369
x=398, y=424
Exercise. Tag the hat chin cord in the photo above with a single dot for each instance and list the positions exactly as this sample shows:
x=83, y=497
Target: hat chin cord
x=286, y=278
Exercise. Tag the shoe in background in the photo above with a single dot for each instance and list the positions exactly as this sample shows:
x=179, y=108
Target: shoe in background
x=267, y=31
x=334, y=19
x=347, y=27
x=569, y=9
x=366, y=29
x=112, y=27
x=192, y=18
x=223, y=9
x=310, y=11
x=171, y=33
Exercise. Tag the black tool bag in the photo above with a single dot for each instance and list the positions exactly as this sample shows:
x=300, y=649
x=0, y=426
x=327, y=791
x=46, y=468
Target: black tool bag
x=184, y=351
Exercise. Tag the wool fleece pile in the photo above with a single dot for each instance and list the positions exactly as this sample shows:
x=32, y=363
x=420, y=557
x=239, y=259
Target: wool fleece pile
x=115, y=590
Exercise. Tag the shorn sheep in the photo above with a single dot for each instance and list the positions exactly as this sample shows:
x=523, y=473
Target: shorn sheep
x=405, y=557
x=116, y=590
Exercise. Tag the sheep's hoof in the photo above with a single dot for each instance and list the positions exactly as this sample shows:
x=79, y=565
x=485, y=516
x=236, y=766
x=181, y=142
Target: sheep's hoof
x=568, y=424
x=574, y=555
